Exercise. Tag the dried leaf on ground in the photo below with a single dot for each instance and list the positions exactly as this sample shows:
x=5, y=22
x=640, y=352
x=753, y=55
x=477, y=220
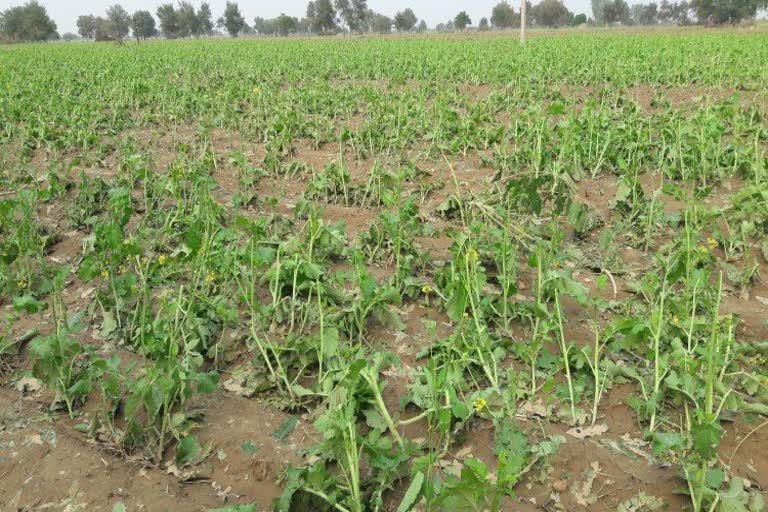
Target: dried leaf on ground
x=582, y=491
x=585, y=432
x=29, y=385
x=641, y=503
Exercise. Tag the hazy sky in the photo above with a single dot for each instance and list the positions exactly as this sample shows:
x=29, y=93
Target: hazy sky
x=65, y=12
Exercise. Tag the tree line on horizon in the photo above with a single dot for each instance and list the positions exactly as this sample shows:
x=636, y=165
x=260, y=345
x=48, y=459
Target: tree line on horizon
x=30, y=22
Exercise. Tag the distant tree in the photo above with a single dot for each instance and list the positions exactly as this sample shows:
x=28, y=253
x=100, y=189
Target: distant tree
x=645, y=14
x=345, y=13
x=682, y=13
x=617, y=11
x=69, y=36
x=462, y=20
x=361, y=13
x=579, y=19
x=726, y=11
x=354, y=14
x=322, y=16
x=552, y=13
x=169, y=21
x=445, y=27
x=677, y=13
x=143, y=25
x=285, y=25
x=483, y=26
x=86, y=26
x=665, y=11
x=189, y=23
x=205, y=19
x=29, y=22
x=598, y=11
x=262, y=26
x=233, y=20
x=304, y=26
x=503, y=15
x=406, y=20
x=119, y=21
x=381, y=24
x=312, y=16
x=103, y=30
x=422, y=27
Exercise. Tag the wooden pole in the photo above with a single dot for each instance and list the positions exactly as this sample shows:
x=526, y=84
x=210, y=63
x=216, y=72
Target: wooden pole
x=522, y=21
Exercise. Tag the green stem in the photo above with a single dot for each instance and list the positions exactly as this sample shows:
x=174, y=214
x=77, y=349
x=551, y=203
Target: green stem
x=565, y=350
x=371, y=380
x=712, y=349
x=657, y=354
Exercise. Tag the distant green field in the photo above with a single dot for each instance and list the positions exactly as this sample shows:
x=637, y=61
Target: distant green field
x=66, y=94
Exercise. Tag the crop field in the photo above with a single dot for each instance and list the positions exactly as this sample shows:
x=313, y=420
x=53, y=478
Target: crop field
x=386, y=274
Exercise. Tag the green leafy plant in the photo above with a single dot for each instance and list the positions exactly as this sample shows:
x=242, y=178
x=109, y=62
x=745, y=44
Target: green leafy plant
x=59, y=359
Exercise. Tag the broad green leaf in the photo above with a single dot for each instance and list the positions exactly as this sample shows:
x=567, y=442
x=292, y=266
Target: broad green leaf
x=706, y=439
x=29, y=304
x=235, y=508
x=248, y=448
x=285, y=428
x=412, y=494
x=188, y=451
x=206, y=382
x=664, y=442
x=108, y=324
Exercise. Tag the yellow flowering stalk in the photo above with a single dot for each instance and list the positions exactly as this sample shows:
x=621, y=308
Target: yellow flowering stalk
x=472, y=257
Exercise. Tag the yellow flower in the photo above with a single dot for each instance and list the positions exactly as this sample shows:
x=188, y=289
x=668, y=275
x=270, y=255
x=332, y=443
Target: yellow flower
x=712, y=243
x=676, y=320
x=122, y=269
x=105, y=273
x=472, y=257
x=480, y=404
x=22, y=283
x=210, y=277
x=703, y=249
x=163, y=259
x=426, y=290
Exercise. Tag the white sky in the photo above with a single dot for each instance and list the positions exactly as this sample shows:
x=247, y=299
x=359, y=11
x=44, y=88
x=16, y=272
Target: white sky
x=65, y=12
